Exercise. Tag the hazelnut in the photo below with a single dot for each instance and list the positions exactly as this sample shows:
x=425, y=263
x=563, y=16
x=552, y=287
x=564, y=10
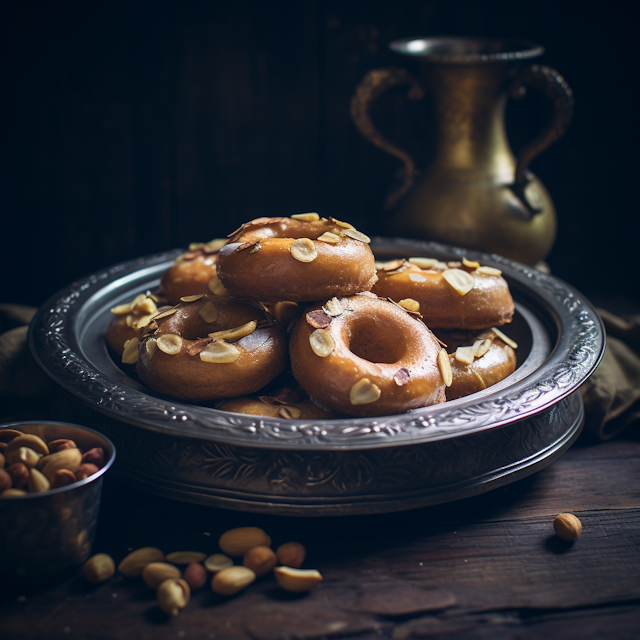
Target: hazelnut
x=260, y=560
x=195, y=576
x=85, y=470
x=291, y=554
x=19, y=473
x=99, y=568
x=94, y=456
x=567, y=526
x=62, y=478
x=60, y=444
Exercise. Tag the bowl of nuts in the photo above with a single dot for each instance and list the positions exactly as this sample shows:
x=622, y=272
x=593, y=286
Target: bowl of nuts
x=50, y=486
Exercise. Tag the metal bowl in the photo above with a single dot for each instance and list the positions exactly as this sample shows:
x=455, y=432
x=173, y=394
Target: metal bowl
x=46, y=536
x=328, y=467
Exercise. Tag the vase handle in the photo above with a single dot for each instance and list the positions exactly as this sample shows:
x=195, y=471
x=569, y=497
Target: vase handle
x=553, y=86
x=371, y=87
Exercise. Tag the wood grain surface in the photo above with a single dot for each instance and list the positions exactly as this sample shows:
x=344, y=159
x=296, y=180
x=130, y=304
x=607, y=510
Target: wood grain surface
x=486, y=567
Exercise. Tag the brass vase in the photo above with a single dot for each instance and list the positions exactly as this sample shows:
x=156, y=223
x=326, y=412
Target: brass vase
x=475, y=193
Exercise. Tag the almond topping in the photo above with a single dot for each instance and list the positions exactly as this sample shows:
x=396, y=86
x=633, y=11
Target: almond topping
x=164, y=314
x=220, y=352
x=231, y=335
x=329, y=237
x=454, y=264
x=130, y=351
x=410, y=304
x=208, y=313
x=144, y=307
x=192, y=298
x=392, y=265
x=488, y=271
x=333, y=307
x=289, y=412
x=506, y=339
x=402, y=377
x=465, y=354
x=480, y=347
x=423, y=263
x=318, y=319
x=196, y=347
x=471, y=264
x=306, y=217
x=170, y=343
x=304, y=250
x=344, y=225
x=141, y=323
x=151, y=345
x=194, y=246
x=364, y=392
x=321, y=343
x=357, y=235
x=121, y=309
x=445, y=367
x=478, y=377
x=214, y=245
x=460, y=280
x=216, y=287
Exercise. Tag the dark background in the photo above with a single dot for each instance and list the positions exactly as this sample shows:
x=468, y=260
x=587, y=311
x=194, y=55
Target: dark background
x=131, y=129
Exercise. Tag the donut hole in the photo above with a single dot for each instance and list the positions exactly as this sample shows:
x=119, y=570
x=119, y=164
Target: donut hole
x=376, y=340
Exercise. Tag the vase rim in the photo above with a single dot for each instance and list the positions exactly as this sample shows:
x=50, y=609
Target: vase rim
x=467, y=50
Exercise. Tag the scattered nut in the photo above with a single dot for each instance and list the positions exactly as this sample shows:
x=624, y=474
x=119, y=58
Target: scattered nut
x=297, y=580
x=423, y=263
x=185, y=557
x=195, y=575
x=333, y=308
x=134, y=563
x=410, y=304
x=208, y=312
x=460, y=280
x=231, y=335
x=357, y=235
x=445, y=367
x=130, y=351
x=291, y=554
x=219, y=352
x=236, y=542
x=304, y=250
x=471, y=264
x=157, y=572
x=567, y=526
x=170, y=343
x=231, y=580
x=99, y=568
x=322, y=343
x=217, y=562
x=402, y=377
x=488, y=271
x=506, y=339
x=289, y=412
x=480, y=347
x=329, y=237
x=465, y=355
x=172, y=595
x=216, y=287
x=364, y=392
x=260, y=559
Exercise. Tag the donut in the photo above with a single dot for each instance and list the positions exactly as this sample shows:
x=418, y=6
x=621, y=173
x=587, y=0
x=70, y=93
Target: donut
x=479, y=359
x=452, y=295
x=129, y=320
x=192, y=271
x=253, y=406
x=302, y=258
x=208, y=348
x=366, y=356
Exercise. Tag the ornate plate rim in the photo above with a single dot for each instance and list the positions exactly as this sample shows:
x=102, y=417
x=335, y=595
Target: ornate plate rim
x=55, y=345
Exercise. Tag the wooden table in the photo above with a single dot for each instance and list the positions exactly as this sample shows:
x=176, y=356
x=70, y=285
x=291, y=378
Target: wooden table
x=485, y=567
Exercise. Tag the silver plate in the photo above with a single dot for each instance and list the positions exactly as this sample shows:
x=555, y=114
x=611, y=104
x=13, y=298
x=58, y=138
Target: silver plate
x=329, y=467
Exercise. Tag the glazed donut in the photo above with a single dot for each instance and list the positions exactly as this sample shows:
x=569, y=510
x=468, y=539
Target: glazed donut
x=479, y=359
x=253, y=406
x=366, y=356
x=299, y=259
x=453, y=295
x=129, y=320
x=207, y=348
x=192, y=271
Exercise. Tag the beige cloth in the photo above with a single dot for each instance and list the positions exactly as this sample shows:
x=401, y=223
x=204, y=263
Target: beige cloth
x=611, y=395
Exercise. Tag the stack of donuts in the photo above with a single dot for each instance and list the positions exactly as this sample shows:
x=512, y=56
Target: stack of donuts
x=302, y=299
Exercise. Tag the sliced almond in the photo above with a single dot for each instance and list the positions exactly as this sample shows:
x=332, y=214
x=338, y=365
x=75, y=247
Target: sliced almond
x=439, y=266
x=445, y=367
x=145, y=308
x=318, y=319
x=129, y=320
x=423, y=263
x=231, y=335
x=169, y=343
x=402, y=377
x=465, y=354
x=357, y=235
x=478, y=377
x=344, y=225
x=164, y=314
x=303, y=250
x=208, y=312
x=216, y=287
x=333, y=307
x=151, y=345
x=198, y=345
x=364, y=392
x=391, y=265
x=289, y=412
x=471, y=264
x=121, y=309
x=488, y=271
x=214, y=246
x=410, y=305
x=220, y=352
x=506, y=339
x=480, y=347
x=460, y=280
x=329, y=237
x=130, y=351
x=194, y=246
x=306, y=217
x=454, y=264
x=192, y=298
x=142, y=322
x=321, y=343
